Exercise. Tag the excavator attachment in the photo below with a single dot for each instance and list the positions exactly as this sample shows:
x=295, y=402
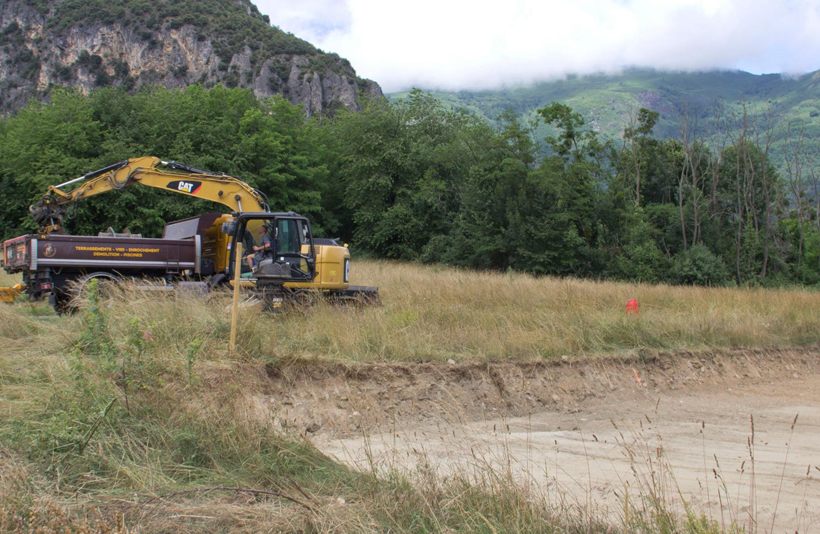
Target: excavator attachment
x=8, y=294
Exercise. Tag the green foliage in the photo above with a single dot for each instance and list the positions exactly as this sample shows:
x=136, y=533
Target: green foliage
x=569, y=123
x=25, y=62
x=642, y=260
x=699, y=266
x=400, y=166
x=548, y=219
x=12, y=34
x=266, y=143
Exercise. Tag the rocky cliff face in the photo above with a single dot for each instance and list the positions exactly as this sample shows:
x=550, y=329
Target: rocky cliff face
x=36, y=53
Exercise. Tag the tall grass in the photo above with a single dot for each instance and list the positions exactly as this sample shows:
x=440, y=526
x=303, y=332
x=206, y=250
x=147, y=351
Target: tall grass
x=435, y=313
x=7, y=280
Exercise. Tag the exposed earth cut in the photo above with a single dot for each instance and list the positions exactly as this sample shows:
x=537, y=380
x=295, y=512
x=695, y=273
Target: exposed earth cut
x=732, y=433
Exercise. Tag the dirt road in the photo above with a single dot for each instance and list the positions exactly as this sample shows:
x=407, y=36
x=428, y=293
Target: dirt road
x=719, y=433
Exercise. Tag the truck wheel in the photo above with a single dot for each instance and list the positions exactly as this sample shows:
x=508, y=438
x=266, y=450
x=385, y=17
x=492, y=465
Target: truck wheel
x=78, y=291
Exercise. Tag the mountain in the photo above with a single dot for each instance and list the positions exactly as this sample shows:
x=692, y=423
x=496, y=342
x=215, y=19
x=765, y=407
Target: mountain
x=174, y=43
x=606, y=101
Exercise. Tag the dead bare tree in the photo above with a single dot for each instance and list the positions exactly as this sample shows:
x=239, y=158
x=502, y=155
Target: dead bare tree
x=686, y=128
x=639, y=127
x=765, y=135
x=794, y=154
x=738, y=135
x=815, y=179
x=718, y=146
x=631, y=145
x=703, y=151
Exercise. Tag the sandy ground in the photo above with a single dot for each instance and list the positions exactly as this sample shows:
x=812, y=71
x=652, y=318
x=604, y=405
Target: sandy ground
x=717, y=431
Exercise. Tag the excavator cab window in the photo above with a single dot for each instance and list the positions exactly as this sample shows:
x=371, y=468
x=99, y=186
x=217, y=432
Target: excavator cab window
x=293, y=245
x=288, y=238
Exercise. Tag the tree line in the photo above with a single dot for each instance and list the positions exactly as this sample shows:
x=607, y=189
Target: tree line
x=416, y=180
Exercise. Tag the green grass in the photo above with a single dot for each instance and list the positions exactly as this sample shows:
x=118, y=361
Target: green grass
x=101, y=430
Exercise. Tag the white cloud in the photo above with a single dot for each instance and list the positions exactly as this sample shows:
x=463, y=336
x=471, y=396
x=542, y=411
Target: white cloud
x=450, y=44
x=309, y=19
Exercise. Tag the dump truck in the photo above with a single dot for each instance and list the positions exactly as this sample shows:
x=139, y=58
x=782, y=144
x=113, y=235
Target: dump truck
x=198, y=252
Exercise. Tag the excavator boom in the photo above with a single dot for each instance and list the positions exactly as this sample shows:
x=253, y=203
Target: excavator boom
x=51, y=211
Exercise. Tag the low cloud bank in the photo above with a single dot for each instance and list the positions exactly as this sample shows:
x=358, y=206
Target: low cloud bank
x=486, y=45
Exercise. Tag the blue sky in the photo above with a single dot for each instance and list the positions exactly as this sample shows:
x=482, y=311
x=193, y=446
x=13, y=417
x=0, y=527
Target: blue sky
x=458, y=45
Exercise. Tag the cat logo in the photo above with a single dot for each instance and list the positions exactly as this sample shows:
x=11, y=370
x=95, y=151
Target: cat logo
x=49, y=250
x=185, y=187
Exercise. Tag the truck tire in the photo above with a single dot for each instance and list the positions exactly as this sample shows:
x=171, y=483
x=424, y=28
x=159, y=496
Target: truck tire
x=70, y=300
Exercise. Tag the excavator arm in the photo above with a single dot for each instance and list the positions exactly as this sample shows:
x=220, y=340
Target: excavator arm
x=51, y=211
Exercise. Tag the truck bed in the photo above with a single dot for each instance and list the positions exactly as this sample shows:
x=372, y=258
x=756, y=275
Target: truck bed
x=33, y=252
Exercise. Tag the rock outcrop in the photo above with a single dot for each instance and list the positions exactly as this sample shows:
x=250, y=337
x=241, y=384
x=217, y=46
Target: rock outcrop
x=36, y=54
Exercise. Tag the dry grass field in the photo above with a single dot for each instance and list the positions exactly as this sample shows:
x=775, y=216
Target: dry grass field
x=433, y=313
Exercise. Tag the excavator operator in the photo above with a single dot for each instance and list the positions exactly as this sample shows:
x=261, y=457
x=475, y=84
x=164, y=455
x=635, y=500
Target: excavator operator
x=262, y=251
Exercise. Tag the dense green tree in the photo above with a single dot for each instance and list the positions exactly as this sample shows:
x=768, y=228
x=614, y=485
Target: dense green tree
x=266, y=143
x=700, y=266
x=488, y=195
x=401, y=166
x=641, y=259
x=572, y=136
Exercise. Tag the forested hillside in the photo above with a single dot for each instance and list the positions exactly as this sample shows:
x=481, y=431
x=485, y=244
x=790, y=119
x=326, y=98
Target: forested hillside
x=417, y=180
x=173, y=43
x=607, y=101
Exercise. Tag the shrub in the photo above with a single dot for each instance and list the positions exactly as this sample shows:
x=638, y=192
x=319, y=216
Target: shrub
x=699, y=266
x=64, y=73
x=121, y=69
x=102, y=79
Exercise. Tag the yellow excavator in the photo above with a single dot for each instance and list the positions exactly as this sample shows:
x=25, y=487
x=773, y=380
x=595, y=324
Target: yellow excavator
x=193, y=252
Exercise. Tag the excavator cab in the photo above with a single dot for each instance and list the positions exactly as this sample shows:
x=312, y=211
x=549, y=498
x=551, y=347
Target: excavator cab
x=293, y=257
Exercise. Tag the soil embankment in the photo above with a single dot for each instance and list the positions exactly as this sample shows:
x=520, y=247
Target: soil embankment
x=336, y=401
x=714, y=428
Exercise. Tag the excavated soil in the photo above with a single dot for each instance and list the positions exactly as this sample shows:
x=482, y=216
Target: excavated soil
x=734, y=433
x=337, y=401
